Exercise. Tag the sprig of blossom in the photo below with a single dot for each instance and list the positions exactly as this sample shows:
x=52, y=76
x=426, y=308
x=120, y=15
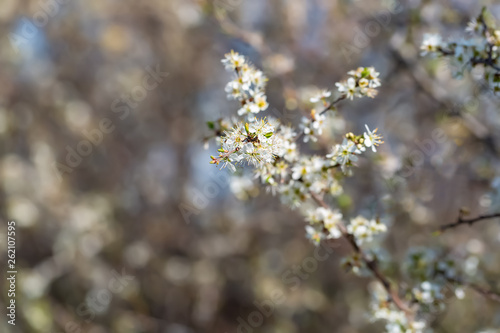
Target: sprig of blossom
x=480, y=48
x=429, y=294
x=253, y=143
x=300, y=179
x=344, y=154
x=396, y=320
x=313, y=126
x=321, y=96
x=329, y=219
x=431, y=43
x=362, y=82
x=315, y=234
x=248, y=87
x=372, y=139
x=347, y=152
x=363, y=229
x=305, y=181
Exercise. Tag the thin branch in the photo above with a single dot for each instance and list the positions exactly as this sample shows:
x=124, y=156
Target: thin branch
x=485, y=292
x=342, y=97
x=490, y=294
x=371, y=264
x=470, y=222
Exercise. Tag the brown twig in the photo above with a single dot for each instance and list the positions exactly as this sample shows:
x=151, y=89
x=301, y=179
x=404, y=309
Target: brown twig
x=342, y=97
x=370, y=264
x=470, y=222
x=490, y=294
x=485, y=292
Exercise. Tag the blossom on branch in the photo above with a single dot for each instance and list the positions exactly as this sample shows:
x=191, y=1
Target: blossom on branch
x=480, y=49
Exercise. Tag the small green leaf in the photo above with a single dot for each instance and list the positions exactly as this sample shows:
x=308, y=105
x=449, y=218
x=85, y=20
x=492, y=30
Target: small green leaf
x=365, y=72
x=211, y=125
x=268, y=135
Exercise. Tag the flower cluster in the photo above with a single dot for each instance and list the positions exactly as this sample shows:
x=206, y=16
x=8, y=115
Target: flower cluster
x=362, y=82
x=253, y=143
x=326, y=219
x=396, y=320
x=423, y=264
x=481, y=48
x=429, y=294
x=313, y=126
x=321, y=96
x=363, y=229
x=432, y=274
x=271, y=148
x=345, y=154
x=354, y=263
x=248, y=87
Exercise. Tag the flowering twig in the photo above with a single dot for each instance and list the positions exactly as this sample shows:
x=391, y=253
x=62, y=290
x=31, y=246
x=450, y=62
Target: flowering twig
x=470, y=221
x=466, y=54
x=370, y=263
x=270, y=148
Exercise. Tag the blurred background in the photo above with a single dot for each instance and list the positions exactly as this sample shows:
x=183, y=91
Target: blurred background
x=122, y=225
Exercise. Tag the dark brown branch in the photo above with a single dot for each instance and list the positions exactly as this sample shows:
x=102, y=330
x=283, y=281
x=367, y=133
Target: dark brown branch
x=485, y=292
x=470, y=222
x=487, y=62
x=342, y=97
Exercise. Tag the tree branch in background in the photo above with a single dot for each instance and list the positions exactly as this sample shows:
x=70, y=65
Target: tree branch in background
x=487, y=293
x=470, y=222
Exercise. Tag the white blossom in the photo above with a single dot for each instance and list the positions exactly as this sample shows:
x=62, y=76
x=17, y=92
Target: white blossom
x=363, y=82
x=321, y=96
x=372, y=139
x=481, y=48
x=344, y=154
x=348, y=88
x=330, y=219
x=431, y=43
x=396, y=320
x=314, y=234
x=248, y=87
x=473, y=26
x=428, y=293
x=313, y=127
x=233, y=60
x=253, y=143
x=363, y=229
